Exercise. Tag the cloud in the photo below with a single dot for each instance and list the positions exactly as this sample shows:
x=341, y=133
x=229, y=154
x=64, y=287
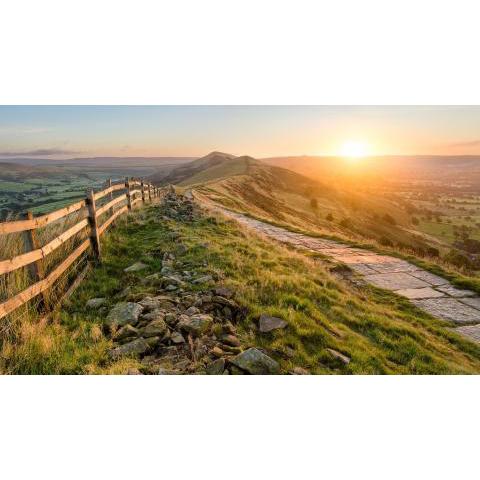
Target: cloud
x=473, y=143
x=41, y=152
x=19, y=130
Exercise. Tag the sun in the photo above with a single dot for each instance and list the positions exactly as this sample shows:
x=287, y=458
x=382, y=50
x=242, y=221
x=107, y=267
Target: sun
x=354, y=149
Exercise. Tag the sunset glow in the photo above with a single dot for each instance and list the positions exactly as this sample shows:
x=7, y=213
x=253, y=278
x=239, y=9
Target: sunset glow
x=354, y=149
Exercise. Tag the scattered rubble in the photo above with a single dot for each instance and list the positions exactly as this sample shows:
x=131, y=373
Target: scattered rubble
x=187, y=326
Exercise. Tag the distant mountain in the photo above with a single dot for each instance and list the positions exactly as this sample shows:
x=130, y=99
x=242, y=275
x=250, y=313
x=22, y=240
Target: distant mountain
x=102, y=162
x=13, y=172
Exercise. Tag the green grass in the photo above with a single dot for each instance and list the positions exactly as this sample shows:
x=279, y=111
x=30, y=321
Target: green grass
x=226, y=169
x=18, y=187
x=380, y=332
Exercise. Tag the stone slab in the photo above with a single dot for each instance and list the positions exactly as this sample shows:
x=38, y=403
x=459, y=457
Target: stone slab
x=430, y=278
x=395, y=281
x=393, y=267
x=417, y=293
x=449, y=309
x=349, y=259
x=472, y=332
x=472, y=302
x=455, y=292
x=362, y=269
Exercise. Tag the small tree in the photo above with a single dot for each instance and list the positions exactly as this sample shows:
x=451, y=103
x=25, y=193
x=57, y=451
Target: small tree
x=329, y=217
x=314, y=203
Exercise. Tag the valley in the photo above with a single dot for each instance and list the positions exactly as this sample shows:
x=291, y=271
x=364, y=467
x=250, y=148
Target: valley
x=357, y=277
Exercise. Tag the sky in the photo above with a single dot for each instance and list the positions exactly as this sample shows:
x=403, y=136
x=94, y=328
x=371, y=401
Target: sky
x=259, y=131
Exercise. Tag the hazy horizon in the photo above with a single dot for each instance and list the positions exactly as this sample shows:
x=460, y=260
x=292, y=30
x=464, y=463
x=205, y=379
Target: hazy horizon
x=65, y=132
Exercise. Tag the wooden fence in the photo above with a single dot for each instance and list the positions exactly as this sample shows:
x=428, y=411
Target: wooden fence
x=132, y=191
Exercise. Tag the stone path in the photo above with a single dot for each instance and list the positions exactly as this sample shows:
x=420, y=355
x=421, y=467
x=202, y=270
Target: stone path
x=430, y=292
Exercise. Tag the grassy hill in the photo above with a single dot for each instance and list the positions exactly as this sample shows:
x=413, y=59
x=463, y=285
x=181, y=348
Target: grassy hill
x=290, y=199
x=377, y=332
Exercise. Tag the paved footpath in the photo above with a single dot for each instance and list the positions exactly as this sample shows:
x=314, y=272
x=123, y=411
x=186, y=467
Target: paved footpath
x=430, y=292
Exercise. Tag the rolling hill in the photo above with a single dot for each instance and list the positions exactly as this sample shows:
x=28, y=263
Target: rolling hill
x=282, y=196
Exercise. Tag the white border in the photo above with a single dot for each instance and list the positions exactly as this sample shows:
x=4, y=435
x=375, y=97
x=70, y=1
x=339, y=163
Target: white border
x=249, y=52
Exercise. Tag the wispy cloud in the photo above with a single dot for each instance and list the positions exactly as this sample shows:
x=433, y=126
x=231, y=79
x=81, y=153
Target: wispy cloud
x=22, y=130
x=41, y=152
x=472, y=143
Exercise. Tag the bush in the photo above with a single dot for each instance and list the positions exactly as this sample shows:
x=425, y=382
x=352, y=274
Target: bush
x=329, y=217
x=415, y=221
x=458, y=259
x=314, y=203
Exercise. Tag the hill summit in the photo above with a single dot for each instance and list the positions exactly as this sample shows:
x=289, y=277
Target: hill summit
x=214, y=166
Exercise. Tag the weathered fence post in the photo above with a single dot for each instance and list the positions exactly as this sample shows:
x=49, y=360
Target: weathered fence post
x=109, y=185
x=149, y=193
x=92, y=218
x=129, y=198
x=142, y=186
x=36, y=269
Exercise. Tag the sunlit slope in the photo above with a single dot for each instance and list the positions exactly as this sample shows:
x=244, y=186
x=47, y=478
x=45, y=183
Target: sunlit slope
x=213, y=166
x=285, y=197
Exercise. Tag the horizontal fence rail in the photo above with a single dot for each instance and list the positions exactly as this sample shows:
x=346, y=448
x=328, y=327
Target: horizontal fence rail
x=132, y=191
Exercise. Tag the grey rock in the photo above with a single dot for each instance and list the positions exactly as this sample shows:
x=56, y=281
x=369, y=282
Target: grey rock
x=196, y=324
x=300, y=371
x=149, y=304
x=223, y=301
x=339, y=356
x=123, y=313
x=192, y=311
x=234, y=370
x=266, y=323
x=156, y=328
x=136, y=267
x=153, y=341
x=216, y=367
x=95, y=303
x=231, y=340
x=134, y=371
x=125, y=332
x=256, y=362
x=154, y=315
x=134, y=348
x=171, y=318
x=223, y=292
x=203, y=279
x=177, y=338
x=171, y=288
x=153, y=279
x=166, y=371
x=125, y=292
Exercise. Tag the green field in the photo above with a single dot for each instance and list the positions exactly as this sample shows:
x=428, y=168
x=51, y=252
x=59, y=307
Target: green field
x=45, y=195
